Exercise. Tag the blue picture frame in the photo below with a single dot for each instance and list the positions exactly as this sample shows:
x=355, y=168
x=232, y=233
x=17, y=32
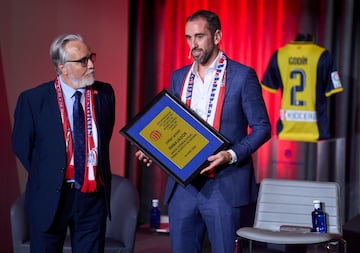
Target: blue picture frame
x=174, y=137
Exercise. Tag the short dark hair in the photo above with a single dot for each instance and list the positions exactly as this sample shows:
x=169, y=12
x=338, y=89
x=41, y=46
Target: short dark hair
x=211, y=18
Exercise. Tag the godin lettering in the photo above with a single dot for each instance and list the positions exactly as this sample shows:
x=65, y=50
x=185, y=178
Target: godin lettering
x=298, y=60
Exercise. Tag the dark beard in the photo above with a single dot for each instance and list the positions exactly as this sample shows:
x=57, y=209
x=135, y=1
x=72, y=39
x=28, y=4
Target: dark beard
x=203, y=59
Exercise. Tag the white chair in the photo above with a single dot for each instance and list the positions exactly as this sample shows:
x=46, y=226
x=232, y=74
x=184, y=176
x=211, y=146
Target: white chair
x=289, y=203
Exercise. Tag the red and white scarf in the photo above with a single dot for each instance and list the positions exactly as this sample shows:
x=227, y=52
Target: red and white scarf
x=89, y=184
x=217, y=95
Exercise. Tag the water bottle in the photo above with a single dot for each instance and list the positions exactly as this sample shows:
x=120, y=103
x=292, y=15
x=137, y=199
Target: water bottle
x=318, y=218
x=155, y=214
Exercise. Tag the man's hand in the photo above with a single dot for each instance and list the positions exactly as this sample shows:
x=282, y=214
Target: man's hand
x=216, y=160
x=143, y=158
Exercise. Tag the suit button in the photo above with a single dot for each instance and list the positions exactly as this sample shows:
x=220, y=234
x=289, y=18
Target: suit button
x=58, y=190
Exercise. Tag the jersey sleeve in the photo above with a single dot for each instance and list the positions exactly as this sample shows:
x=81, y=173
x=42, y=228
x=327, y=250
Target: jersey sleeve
x=329, y=74
x=272, y=78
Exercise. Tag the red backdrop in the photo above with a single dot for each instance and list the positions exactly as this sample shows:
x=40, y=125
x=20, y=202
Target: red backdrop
x=252, y=31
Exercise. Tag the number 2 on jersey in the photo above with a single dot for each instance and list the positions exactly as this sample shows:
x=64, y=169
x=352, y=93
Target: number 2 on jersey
x=300, y=75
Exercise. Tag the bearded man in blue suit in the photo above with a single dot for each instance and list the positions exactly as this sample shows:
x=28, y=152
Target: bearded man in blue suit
x=228, y=96
x=68, y=165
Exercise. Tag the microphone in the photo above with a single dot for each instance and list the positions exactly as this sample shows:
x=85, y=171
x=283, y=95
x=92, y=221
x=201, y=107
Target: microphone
x=189, y=56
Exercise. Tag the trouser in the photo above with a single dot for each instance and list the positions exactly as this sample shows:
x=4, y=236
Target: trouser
x=84, y=214
x=194, y=211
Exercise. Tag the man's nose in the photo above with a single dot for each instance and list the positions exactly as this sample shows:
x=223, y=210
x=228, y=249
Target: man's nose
x=193, y=43
x=90, y=64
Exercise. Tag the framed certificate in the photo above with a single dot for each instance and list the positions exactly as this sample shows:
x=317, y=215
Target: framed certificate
x=174, y=137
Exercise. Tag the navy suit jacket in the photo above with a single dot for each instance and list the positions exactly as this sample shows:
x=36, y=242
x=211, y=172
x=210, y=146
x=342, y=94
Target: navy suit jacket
x=243, y=107
x=38, y=142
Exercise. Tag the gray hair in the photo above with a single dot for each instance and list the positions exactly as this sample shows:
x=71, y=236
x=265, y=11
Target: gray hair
x=57, y=49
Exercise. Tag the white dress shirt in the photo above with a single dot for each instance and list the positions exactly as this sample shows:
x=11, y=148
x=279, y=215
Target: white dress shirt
x=201, y=95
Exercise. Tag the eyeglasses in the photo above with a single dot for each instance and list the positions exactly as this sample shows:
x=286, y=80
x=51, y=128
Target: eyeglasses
x=84, y=61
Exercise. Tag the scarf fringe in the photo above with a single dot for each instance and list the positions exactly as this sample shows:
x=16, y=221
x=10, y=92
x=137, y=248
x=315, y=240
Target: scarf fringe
x=90, y=184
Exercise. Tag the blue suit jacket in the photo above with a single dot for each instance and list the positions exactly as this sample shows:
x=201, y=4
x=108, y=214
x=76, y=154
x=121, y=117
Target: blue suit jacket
x=243, y=107
x=38, y=142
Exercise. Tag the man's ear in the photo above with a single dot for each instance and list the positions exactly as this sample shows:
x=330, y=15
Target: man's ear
x=62, y=68
x=217, y=37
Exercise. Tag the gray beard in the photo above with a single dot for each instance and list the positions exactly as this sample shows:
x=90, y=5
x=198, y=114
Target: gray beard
x=83, y=82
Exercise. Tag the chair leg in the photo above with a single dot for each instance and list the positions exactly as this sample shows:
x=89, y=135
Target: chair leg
x=341, y=244
x=344, y=245
x=237, y=241
x=328, y=246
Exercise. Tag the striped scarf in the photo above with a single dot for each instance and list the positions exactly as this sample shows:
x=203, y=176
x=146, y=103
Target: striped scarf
x=217, y=94
x=89, y=184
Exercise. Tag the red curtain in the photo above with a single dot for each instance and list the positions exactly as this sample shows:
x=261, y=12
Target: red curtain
x=252, y=31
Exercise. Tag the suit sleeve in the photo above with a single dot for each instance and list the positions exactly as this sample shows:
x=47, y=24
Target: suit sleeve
x=255, y=112
x=23, y=131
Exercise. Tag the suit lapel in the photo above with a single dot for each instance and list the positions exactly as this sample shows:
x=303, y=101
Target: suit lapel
x=97, y=101
x=54, y=111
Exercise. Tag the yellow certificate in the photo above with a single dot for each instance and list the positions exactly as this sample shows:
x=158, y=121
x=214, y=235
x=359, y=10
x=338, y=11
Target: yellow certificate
x=174, y=137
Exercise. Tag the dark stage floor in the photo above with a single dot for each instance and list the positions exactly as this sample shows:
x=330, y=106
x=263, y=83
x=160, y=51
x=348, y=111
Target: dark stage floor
x=152, y=242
